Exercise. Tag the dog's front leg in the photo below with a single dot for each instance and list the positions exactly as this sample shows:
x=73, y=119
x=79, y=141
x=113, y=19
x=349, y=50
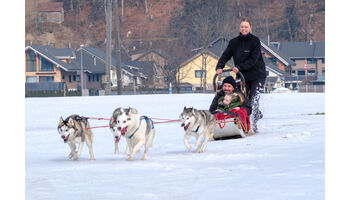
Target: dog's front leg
x=199, y=142
x=80, y=148
x=187, y=144
x=116, y=148
x=128, y=146
x=72, y=150
x=135, y=148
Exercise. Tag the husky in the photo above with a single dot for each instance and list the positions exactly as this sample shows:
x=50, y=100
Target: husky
x=75, y=129
x=116, y=133
x=138, y=130
x=199, y=123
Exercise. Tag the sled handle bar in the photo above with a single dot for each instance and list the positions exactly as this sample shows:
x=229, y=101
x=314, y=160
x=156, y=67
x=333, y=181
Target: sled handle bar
x=243, y=89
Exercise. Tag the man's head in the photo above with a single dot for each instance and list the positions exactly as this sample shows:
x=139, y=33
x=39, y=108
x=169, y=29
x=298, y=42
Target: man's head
x=229, y=84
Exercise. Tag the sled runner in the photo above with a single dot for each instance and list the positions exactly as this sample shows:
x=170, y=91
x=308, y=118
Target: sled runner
x=229, y=125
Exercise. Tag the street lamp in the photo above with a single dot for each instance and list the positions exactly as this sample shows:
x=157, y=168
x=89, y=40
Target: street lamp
x=81, y=68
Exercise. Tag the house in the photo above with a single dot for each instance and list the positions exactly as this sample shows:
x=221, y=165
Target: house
x=309, y=58
x=62, y=66
x=161, y=61
x=50, y=12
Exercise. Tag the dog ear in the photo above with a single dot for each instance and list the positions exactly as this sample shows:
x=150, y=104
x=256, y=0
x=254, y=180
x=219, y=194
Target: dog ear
x=185, y=108
x=61, y=120
x=71, y=122
x=133, y=110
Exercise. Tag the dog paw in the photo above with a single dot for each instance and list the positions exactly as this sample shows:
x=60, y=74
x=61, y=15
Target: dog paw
x=130, y=159
x=93, y=159
x=188, y=148
x=76, y=158
x=70, y=156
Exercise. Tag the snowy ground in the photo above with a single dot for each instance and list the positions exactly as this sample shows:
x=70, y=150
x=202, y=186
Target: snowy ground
x=286, y=160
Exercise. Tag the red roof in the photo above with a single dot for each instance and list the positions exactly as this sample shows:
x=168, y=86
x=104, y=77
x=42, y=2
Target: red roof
x=50, y=6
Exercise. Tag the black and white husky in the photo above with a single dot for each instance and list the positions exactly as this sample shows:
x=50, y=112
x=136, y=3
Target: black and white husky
x=198, y=123
x=138, y=131
x=75, y=130
x=116, y=133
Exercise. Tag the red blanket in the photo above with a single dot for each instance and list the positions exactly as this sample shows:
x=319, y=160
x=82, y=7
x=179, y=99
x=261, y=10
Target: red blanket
x=242, y=114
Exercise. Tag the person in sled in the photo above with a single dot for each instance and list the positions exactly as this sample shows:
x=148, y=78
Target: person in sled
x=246, y=52
x=230, y=101
x=229, y=87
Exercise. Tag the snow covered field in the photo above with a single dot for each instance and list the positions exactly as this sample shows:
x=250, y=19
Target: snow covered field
x=286, y=160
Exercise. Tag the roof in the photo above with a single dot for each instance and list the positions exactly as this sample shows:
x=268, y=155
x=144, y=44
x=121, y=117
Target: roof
x=215, y=49
x=145, y=67
x=303, y=49
x=277, y=53
x=156, y=51
x=50, y=7
x=51, y=54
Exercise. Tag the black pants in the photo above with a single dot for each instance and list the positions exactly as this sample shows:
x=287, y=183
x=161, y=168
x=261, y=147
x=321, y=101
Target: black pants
x=254, y=88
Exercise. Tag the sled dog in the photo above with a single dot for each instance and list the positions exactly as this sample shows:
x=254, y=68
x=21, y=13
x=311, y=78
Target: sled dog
x=116, y=133
x=74, y=130
x=199, y=123
x=138, y=130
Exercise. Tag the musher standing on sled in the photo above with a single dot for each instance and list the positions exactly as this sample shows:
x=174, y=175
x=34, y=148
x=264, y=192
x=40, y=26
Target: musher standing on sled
x=246, y=52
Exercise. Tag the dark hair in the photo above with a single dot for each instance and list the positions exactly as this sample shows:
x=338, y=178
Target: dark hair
x=246, y=20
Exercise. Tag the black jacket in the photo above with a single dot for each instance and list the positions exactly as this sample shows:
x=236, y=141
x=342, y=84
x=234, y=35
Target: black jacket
x=214, y=103
x=246, y=53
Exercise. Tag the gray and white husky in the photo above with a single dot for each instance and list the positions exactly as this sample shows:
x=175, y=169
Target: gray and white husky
x=138, y=131
x=116, y=133
x=75, y=130
x=198, y=123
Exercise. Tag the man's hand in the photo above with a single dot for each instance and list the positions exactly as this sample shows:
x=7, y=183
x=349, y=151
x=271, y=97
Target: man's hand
x=219, y=71
x=235, y=70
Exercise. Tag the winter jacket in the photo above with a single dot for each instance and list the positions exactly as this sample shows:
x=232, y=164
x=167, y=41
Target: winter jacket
x=246, y=53
x=236, y=102
x=215, y=102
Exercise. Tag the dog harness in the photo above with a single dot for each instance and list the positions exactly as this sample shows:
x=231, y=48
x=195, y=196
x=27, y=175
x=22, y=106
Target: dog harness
x=141, y=118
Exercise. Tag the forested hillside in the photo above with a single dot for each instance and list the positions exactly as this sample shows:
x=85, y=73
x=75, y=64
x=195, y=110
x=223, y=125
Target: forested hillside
x=177, y=26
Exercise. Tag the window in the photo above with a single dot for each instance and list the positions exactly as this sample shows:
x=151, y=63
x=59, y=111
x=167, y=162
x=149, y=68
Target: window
x=93, y=78
x=311, y=61
x=301, y=73
x=74, y=78
x=46, y=78
x=267, y=73
x=97, y=78
x=294, y=72
x=198, y=73
x=322, y=60
x=70, y=78
x=63, y=77
x=31, y=79
x=78, y=78
x=311, y=72
x=89, y=78
x=45, y=65
x=31, y=62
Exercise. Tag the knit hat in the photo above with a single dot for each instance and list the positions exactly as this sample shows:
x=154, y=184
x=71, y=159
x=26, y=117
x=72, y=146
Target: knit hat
x=229, y=80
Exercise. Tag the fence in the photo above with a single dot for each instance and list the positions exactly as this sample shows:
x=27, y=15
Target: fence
x=311, y=88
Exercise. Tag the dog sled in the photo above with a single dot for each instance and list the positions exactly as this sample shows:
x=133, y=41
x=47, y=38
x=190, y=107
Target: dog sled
x=230, y=126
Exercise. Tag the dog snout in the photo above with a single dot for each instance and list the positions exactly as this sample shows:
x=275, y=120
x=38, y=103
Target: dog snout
x=62, y=136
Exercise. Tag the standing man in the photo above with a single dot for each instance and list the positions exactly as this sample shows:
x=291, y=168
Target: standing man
x=246, y=52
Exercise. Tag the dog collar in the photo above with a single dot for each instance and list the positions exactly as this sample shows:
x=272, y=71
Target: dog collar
x=196, y=130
